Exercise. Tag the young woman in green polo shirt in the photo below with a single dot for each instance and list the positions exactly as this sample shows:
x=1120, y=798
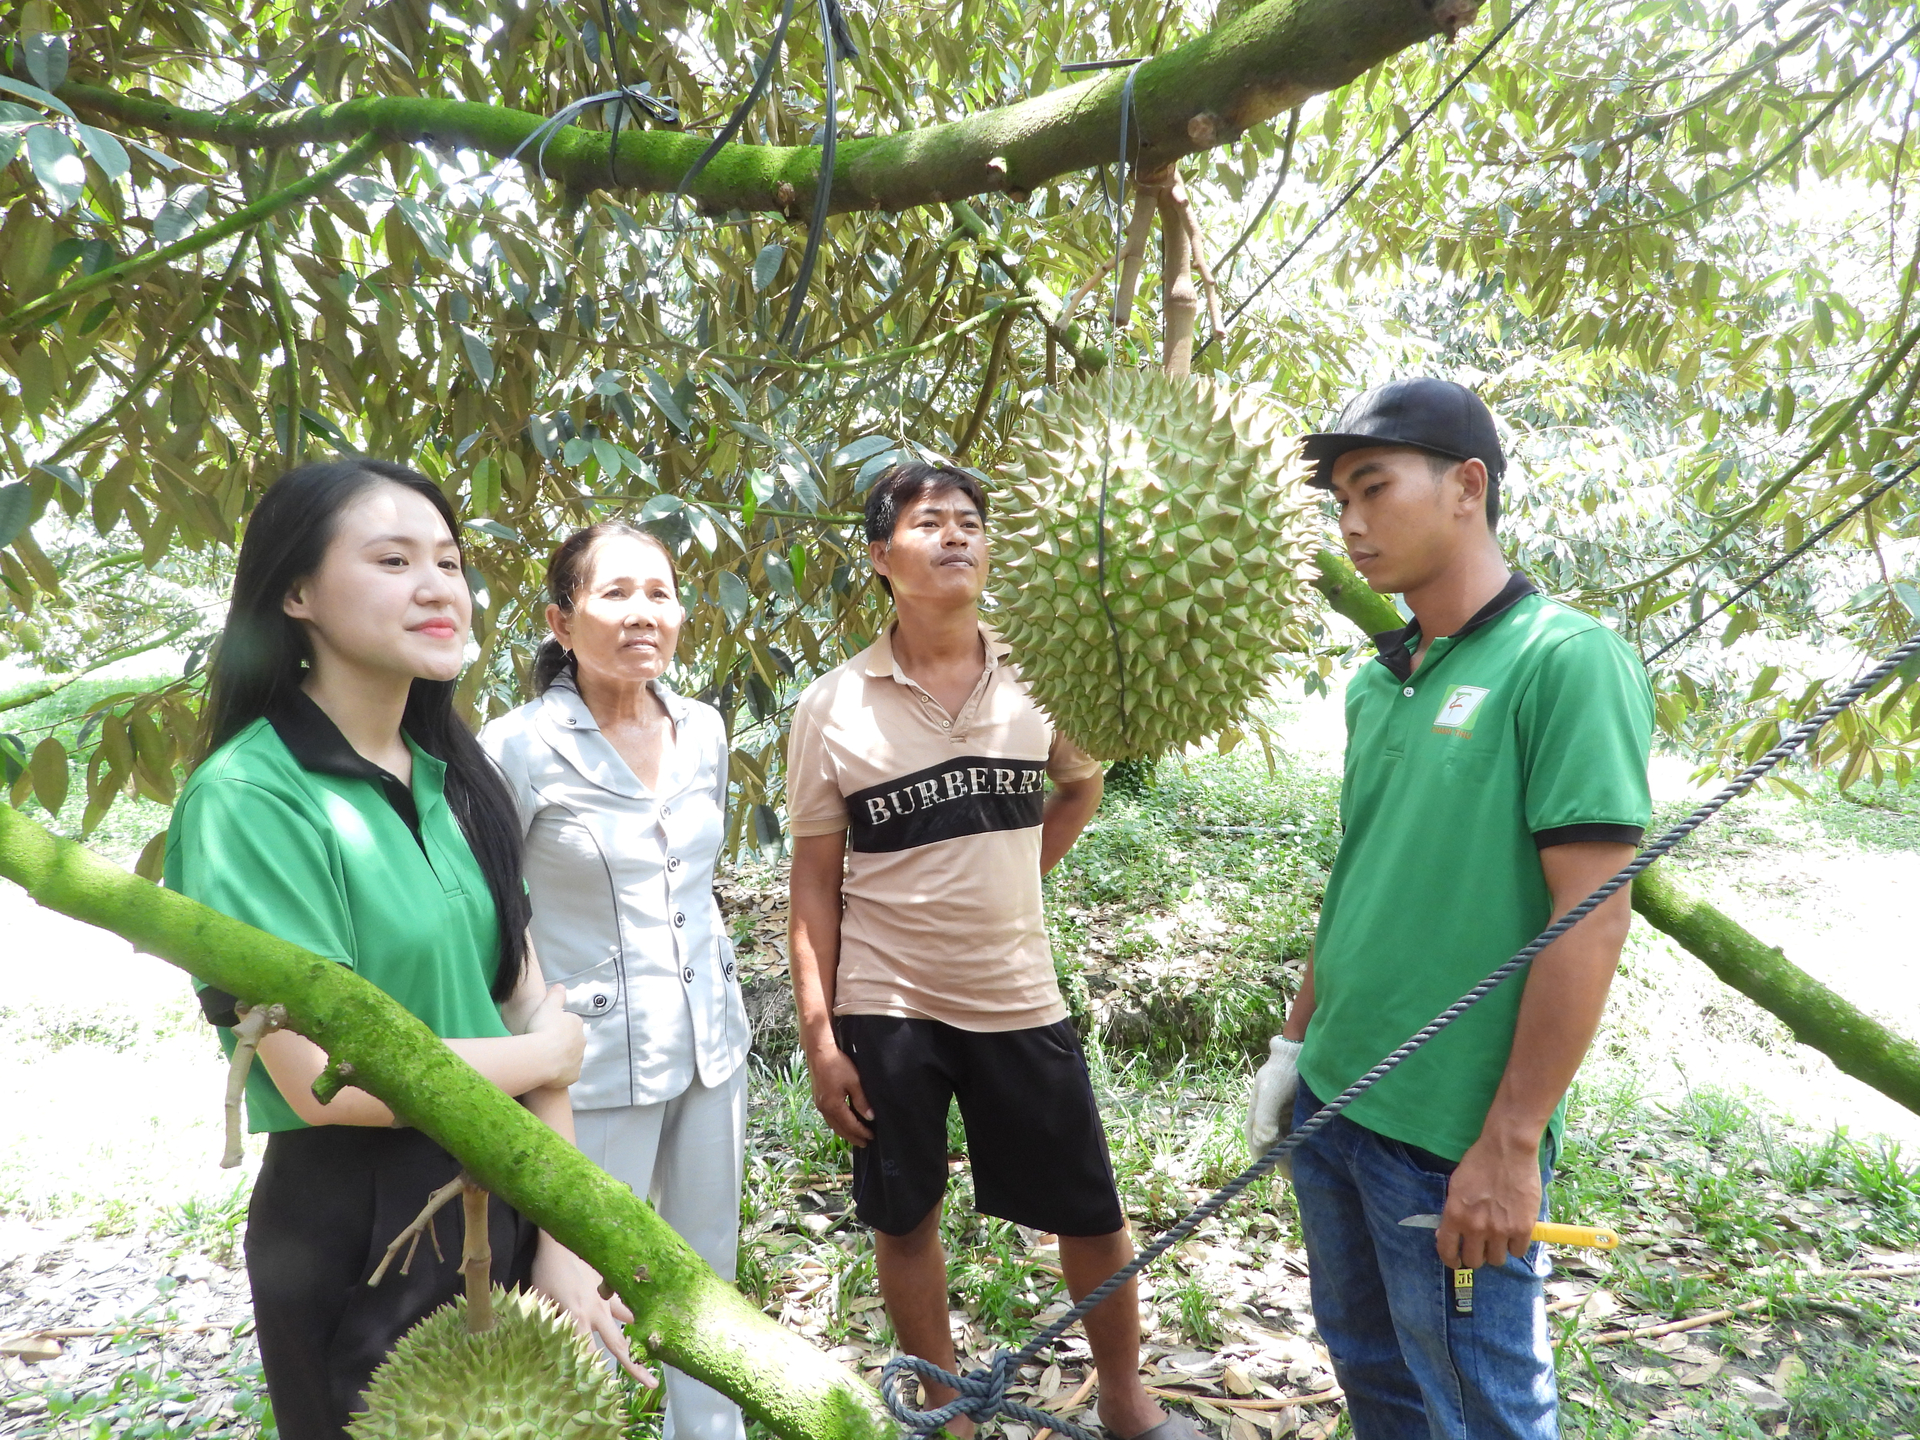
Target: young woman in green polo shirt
x=345, y=807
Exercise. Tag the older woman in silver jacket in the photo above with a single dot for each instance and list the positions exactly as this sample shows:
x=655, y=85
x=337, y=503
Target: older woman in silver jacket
x=622, y=787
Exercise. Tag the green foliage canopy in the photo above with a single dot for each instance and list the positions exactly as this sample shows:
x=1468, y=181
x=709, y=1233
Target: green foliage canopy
x=1671, y=240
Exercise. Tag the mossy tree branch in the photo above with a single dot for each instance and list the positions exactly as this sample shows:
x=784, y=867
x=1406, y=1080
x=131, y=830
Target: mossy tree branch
x=686, y=1315
x=351, y=159
x=1206, y=92
x=1855, y=1041
x=1351, y=596
x=1085, y=356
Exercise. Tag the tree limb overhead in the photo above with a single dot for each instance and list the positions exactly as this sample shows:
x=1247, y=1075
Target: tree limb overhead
x=1206, y=92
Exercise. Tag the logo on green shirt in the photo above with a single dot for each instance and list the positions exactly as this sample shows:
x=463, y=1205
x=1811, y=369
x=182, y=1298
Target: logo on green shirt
x=1456, y=713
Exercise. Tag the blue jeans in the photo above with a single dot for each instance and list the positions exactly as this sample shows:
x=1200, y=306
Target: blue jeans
x=1412, y=1367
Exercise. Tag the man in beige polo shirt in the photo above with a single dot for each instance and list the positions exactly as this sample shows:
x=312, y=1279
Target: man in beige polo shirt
x=916, y=789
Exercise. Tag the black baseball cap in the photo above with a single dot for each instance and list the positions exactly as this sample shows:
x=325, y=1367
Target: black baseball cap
x=1437, y=416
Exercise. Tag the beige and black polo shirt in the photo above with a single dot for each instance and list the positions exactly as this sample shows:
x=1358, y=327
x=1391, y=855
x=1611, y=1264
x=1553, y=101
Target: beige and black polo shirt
x=942, y=817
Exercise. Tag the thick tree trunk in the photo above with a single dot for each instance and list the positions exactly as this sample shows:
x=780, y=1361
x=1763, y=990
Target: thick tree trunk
x=687, y=1316
x=1845, y=1034
x=1206, y=92
x=1838, y=1029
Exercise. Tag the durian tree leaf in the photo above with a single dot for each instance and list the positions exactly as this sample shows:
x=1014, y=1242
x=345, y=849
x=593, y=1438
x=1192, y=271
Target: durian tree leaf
x=49, y=770
x=45, y=55
x=16, y=511
x=56, y=165
x=766, y=265
x=685, y=1314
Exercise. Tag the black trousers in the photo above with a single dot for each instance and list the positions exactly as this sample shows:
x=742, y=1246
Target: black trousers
x=328, y=1202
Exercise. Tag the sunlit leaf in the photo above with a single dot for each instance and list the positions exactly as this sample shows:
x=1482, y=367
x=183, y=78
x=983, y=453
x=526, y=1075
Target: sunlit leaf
x=107, y=151
x=479, y=355
x=181, y=214
x=46, y=58
x=16, y=511
x=56, y=165
x=766, y=265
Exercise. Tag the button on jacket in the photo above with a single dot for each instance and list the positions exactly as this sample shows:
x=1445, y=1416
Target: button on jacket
x=622, y=884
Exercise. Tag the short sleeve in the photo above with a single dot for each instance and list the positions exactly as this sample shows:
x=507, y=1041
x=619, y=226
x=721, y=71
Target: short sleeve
x=815, y=804
x=1067, y=762
x=1586, y=726
x=242, y=850
x=505, y=742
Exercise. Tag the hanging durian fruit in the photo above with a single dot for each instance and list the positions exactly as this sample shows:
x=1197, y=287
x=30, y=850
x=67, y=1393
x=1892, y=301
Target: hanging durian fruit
x=533, y=1376
x=1208, y=534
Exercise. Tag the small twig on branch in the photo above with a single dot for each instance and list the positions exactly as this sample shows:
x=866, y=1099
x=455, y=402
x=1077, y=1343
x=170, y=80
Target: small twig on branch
x=1179, y=301
x=476, y=1258
x=1675, y=1327
x=1214, y=325
x=257, y=1021
x=1078, y=1398
x=990, y=382
x=348, y=161
x=1133, y=254
x=422, y=1224
x=1085, y=289
x=1226, y=1402
x=1909, y=1273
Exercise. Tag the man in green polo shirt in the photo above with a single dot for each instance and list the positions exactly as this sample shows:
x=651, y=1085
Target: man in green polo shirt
x=1495, y=776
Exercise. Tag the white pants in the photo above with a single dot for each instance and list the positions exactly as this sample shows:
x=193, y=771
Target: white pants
x=686, y=1156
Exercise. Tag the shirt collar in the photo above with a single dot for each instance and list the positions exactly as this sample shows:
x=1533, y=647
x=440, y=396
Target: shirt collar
x=316, y=743
x=563, y=695
x=881, y=664
x=1396, y=647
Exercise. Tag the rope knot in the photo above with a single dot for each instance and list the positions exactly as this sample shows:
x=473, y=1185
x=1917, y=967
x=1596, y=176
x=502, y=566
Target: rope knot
x=982, y=1397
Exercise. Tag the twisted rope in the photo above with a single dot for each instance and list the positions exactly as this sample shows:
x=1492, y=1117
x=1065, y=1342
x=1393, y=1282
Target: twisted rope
x=1785, y=560
x=983, y=1391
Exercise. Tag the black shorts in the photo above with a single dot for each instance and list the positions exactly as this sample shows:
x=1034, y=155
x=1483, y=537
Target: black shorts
x=1038, y=1153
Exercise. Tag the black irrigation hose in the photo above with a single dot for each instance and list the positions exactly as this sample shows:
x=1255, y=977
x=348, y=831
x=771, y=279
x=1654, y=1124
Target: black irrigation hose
x=983, y=1391
x=1785, y=560
x=1399, y=143
x=761, y=76
x=837, y=42
x=836, y=45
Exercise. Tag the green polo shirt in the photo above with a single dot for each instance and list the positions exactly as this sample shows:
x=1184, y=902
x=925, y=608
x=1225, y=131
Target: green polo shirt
x=287, y=828
x=1528, y=728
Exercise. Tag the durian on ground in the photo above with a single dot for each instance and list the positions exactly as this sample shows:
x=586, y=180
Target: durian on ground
x=533, y=1376
x=1209, y=545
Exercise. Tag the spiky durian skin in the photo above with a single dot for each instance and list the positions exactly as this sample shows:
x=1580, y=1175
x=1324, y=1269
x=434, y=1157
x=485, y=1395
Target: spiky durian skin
x=1208, y=539
x=532, y=1377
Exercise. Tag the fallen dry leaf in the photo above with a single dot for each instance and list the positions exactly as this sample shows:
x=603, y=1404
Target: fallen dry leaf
x=1790, y=1369
x=30, y=1346
x=1700, y=1374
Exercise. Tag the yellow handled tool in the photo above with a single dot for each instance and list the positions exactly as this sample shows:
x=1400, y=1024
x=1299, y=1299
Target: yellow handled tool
x=1592, y=1237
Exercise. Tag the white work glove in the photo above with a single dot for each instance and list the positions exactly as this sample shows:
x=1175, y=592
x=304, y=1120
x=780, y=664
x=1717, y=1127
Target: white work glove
x=1274, y=1086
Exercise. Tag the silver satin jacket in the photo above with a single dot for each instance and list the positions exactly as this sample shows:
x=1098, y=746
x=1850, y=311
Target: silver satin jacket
x=622, y=887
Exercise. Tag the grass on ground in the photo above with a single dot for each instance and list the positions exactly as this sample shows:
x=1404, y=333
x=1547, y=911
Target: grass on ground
x=1196, y=897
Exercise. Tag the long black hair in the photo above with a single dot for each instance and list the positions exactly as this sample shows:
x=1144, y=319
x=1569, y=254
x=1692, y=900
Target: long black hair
x=567, y=572
x=257, y=666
